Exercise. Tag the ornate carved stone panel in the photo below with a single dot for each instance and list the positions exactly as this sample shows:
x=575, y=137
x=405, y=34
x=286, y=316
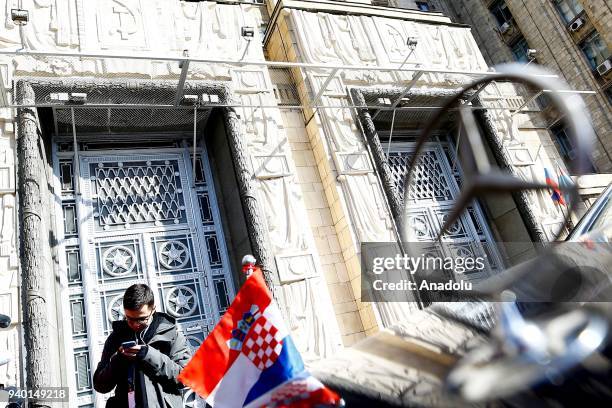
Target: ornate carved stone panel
x=121, y=24
x=295, y=267
x=271, y=166
x=352, y=163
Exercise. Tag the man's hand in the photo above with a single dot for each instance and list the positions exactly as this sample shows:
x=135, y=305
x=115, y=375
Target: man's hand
x=131, y=352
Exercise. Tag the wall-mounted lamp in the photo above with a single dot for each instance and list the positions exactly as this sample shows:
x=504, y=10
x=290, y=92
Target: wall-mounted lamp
x=532, y=53
x=209, y=98
x=20, y=16
x=412, y=42
x=247, y=32
x=65, y=97
x=185, y=54
x=77, y=98
x=189, y=100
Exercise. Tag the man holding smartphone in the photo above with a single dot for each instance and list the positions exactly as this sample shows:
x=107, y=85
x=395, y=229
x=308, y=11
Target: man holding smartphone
x=142, y=356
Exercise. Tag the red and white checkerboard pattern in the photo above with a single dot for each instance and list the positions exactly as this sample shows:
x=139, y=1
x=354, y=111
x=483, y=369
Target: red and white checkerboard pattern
x=290, y=390
x=263, y=344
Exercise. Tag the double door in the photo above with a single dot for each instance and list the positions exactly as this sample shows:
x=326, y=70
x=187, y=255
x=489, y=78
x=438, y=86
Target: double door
x=432, y=194
x=141, y=218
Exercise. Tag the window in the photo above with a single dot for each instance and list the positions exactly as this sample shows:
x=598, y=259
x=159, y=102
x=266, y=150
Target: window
x=423, y=6
x=501, y=13
x=519, y=50
x=565, y=145
x=608, y=93
x=595, y=49
x=568, y=9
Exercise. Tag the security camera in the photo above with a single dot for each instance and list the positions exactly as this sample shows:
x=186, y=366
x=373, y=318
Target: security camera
x=20, y=16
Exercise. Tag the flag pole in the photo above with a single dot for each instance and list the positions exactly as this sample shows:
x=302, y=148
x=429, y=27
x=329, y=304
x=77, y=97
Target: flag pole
x=561, y=173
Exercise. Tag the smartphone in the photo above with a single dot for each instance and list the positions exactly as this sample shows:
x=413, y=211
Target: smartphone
x=128, y=344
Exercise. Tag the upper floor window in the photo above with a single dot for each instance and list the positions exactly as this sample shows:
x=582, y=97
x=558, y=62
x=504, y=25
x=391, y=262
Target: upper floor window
x=569, y=9
x=595, y=49
x=423, y=5
x=519, y=50
x=608, y=93
x=501, y=13
x=566, y=146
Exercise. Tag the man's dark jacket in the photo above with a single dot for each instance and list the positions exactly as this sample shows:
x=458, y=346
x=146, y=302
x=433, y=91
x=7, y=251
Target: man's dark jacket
x=155, y=368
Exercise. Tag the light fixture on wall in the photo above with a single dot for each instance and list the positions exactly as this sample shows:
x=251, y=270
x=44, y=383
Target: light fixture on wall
x=20, y=16
x=247, y=32
x=189, y=100
x=412, y=42
x=209, y=98
x=531, y=55
x=79, y=98
x=75, y=98
x=185, y=54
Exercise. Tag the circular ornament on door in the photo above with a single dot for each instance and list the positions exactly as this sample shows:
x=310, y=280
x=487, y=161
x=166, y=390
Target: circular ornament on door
x=118, y=260
x=173, y=254
x=181, y=301
x=114, y=311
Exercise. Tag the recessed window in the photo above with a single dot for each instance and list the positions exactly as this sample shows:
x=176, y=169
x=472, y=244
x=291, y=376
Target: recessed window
x=568, y=9
x=595, y=50
x=519, y=50
x=608, y=93
x=502, y=14
x=423, y=6
x=565, y=145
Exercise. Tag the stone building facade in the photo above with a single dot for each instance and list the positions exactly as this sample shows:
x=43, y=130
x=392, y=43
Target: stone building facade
x=160, y=141
x=572, y=37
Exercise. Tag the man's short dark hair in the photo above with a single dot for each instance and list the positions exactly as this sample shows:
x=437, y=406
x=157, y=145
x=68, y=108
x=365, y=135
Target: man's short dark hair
x=138, y=295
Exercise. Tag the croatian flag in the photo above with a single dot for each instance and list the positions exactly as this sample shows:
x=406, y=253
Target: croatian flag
x=556, y=195
x=249, y=359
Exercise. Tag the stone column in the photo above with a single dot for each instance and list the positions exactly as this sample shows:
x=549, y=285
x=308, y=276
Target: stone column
x=31, y=238
x=248, y=195
x=378, y=154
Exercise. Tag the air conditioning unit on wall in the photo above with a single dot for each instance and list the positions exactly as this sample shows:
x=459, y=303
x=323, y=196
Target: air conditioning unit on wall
x=576, y=25
x=605, y=67
x=504, y=27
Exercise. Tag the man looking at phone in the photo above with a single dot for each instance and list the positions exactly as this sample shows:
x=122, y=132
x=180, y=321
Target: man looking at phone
x=142, y=356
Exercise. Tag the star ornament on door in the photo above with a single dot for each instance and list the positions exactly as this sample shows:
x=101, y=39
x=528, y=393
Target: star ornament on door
x=118, y=260
x=181, y=301
x=173, y=255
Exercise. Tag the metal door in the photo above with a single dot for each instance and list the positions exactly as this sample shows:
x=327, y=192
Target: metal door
x=432, y=194
x=143, y=217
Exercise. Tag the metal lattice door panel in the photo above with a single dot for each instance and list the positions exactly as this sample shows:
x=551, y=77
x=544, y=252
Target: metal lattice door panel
x=145, y=193
x=432, y=193
x=144, y=218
